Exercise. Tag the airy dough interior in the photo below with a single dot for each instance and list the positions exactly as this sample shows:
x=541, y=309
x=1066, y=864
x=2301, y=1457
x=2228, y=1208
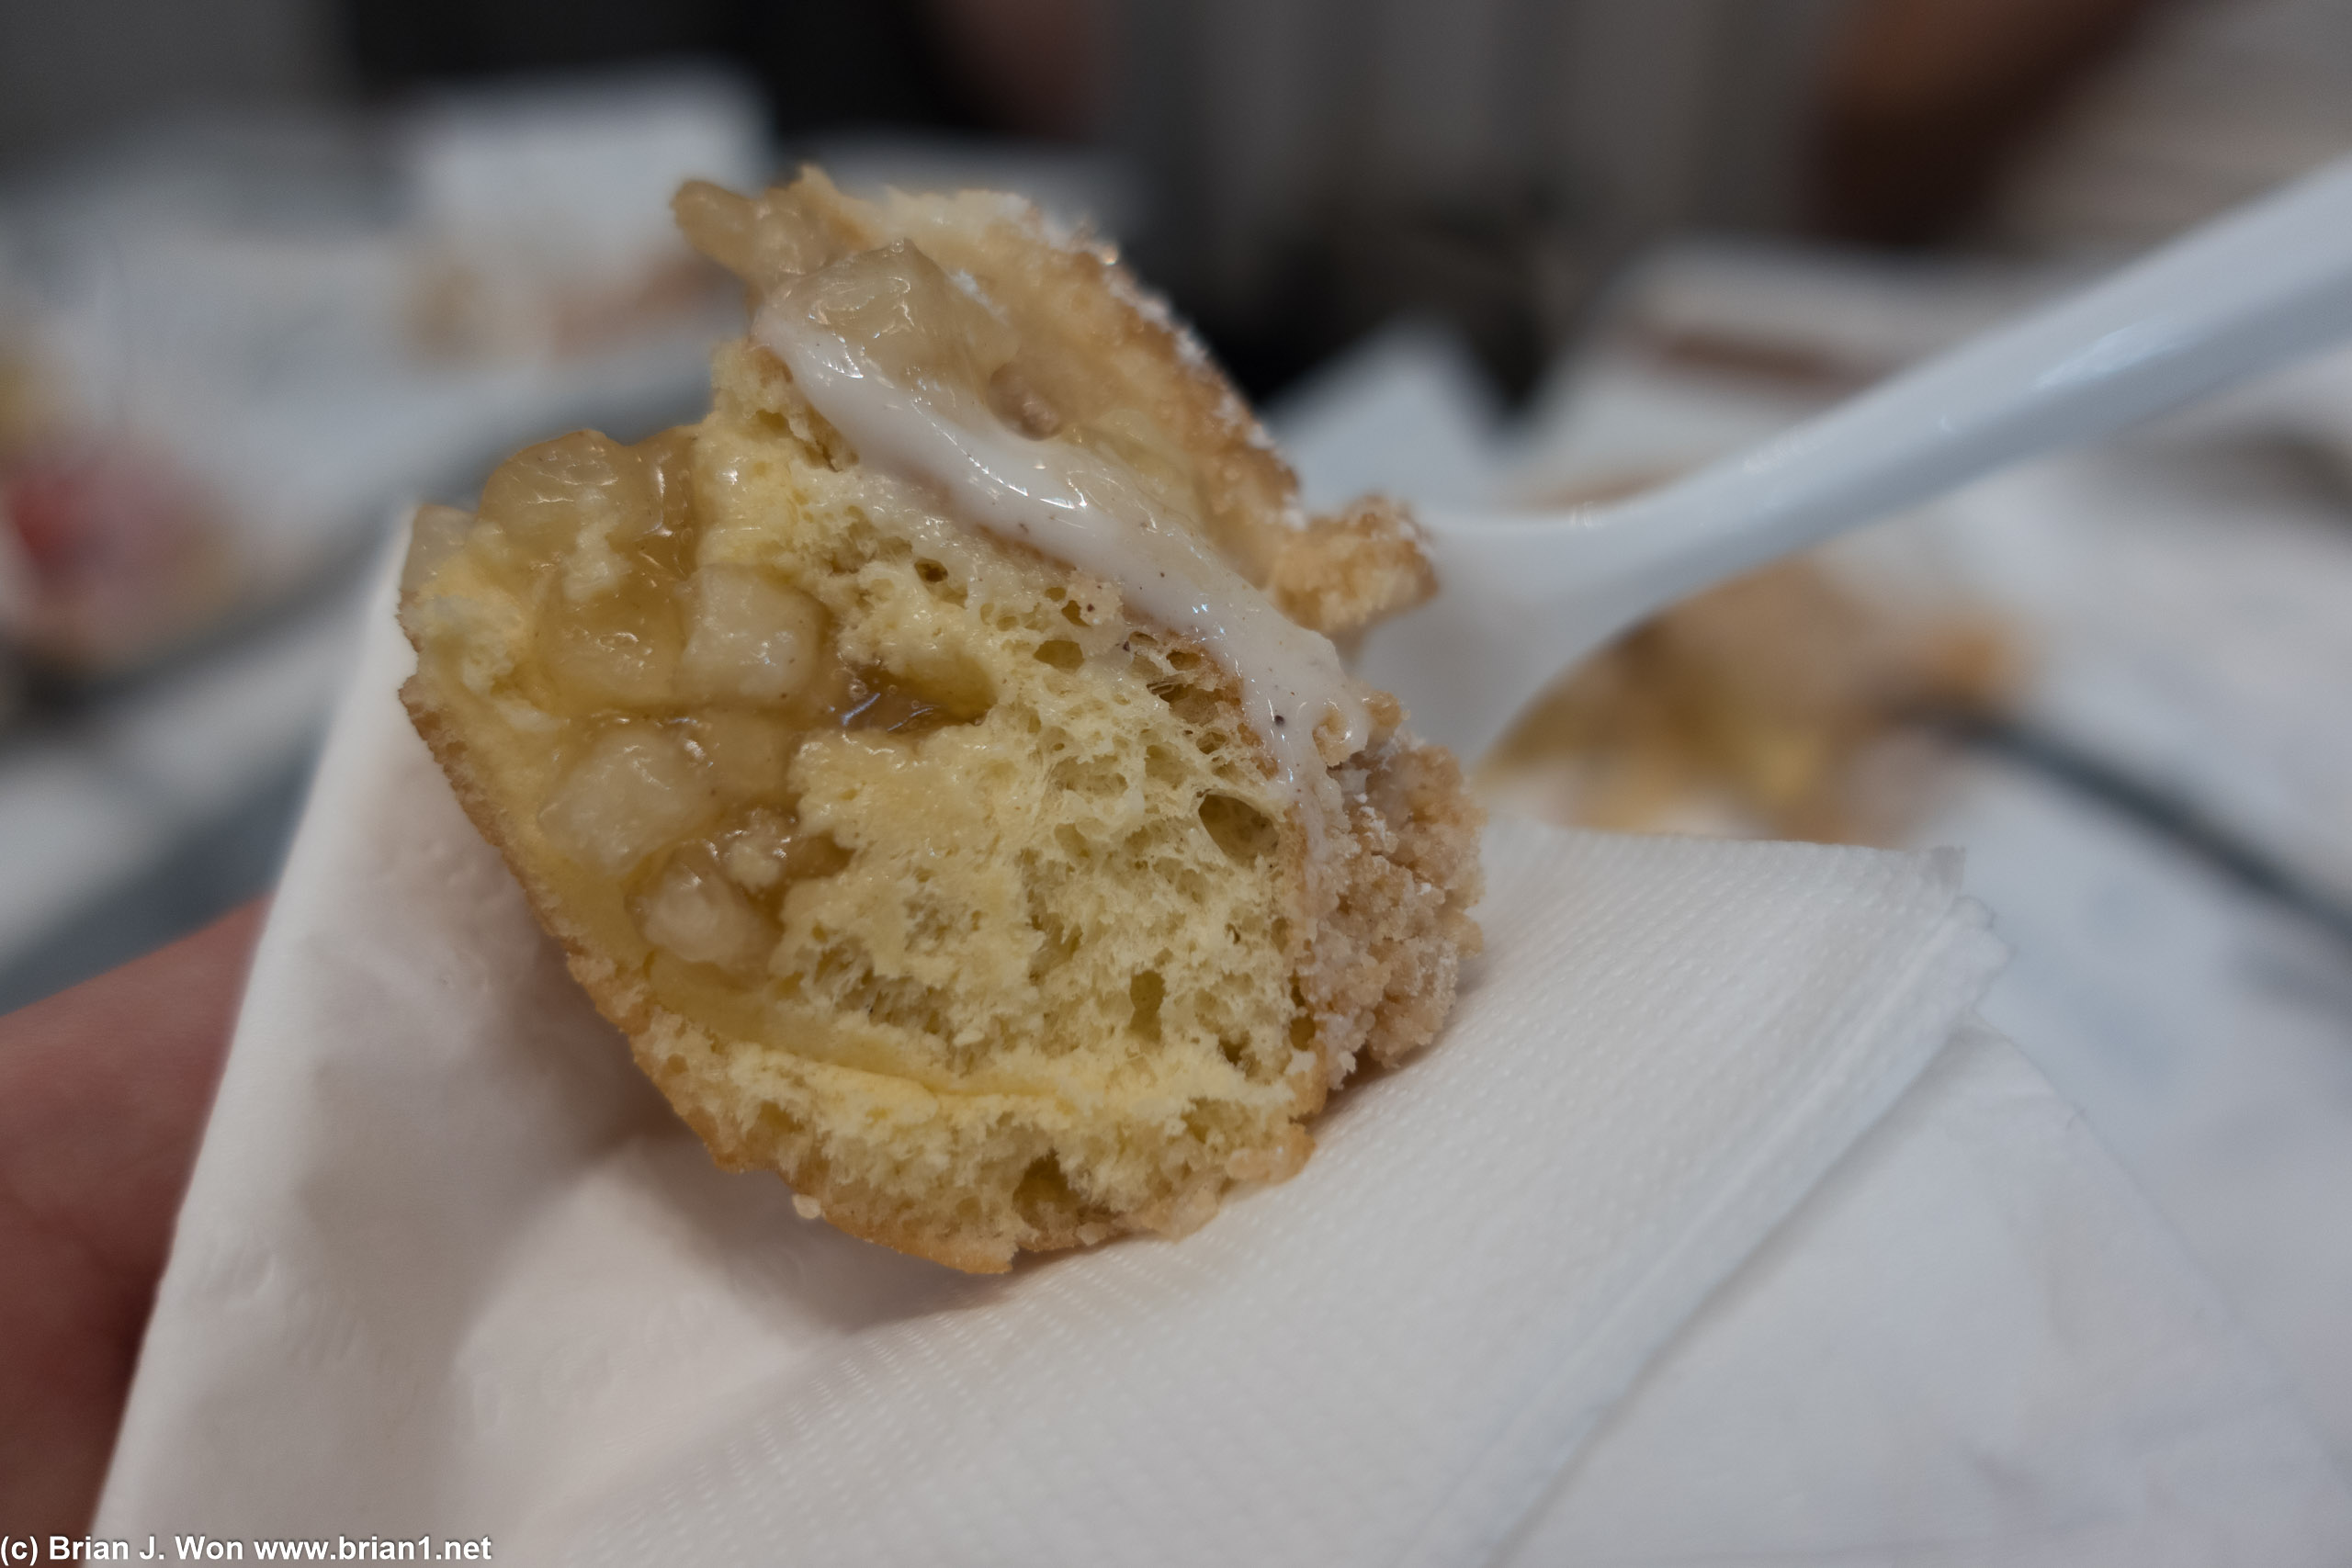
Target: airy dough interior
x=916, y=867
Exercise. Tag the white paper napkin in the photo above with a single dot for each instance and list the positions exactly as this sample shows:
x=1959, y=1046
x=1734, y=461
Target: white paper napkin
x=1972, y=1347
x=448, y=1267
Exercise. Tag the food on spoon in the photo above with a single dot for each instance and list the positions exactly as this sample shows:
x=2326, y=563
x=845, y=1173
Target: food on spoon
x=907, y=763
x=1782, y=703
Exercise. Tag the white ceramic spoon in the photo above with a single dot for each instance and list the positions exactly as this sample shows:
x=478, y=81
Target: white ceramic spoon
x=1521, y=598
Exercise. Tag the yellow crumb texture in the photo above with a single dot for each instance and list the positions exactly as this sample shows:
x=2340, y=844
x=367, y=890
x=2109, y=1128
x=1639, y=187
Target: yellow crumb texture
x=915, y=867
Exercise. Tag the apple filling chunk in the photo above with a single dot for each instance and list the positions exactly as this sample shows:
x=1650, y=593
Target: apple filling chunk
x=672, y=693
x=754, y=639
x=695, y=910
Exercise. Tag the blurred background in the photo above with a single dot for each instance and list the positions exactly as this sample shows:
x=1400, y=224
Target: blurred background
x=271, y=268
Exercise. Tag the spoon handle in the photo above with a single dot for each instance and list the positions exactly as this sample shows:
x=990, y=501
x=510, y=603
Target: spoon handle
x=1525, y=597
x=2258, y=289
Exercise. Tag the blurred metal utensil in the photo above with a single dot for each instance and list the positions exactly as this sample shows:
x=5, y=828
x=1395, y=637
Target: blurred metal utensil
x=1523, y=597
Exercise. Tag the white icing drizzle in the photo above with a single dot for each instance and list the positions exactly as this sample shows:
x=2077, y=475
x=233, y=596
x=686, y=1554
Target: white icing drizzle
x=1066, y=502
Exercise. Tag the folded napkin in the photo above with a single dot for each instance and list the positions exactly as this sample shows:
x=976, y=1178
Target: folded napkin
x=448, y=1267
x=1973, y=1345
